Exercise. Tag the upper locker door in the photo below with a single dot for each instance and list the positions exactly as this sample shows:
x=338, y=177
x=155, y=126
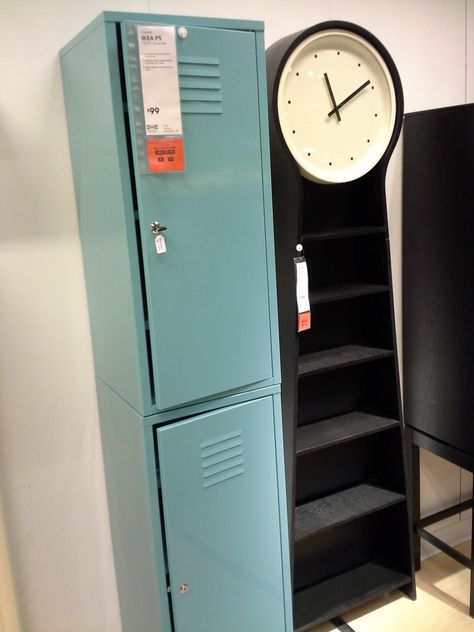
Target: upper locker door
x=207, y=296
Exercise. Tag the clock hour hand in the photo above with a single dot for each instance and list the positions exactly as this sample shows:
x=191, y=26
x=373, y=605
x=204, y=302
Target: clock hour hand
x=336, y=108
x=331, y=94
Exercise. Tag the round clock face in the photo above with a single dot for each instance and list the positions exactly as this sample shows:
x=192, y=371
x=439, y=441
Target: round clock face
x=336, y=106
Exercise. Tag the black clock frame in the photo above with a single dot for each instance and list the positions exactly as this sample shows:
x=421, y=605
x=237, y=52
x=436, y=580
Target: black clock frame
x=279, y=53
x=343, y=227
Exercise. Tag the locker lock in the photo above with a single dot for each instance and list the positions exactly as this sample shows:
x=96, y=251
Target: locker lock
x=184, y=589
x=157, y=228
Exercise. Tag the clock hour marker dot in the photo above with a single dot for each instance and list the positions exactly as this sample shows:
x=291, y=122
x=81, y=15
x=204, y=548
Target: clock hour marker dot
x=376, y=115
x=373, y=88
x=358, y=65
x=309, y=153
x=368, y=140
x=294, y=131
x=315, y=56
x=289, y=101
x=352, y=157
x=297, y=74
x=330, y=164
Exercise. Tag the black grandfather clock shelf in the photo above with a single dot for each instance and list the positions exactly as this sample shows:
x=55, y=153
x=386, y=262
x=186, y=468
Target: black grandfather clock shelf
x=335, y=113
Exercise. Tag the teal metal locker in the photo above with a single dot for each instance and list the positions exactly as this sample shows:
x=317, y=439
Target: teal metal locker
x=185, y=341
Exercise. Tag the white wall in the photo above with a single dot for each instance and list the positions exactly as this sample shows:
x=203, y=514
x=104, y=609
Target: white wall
x=51, y=473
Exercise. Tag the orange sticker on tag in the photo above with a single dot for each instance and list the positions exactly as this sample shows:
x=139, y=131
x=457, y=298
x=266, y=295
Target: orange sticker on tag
x=304, y=321
x=166, y=154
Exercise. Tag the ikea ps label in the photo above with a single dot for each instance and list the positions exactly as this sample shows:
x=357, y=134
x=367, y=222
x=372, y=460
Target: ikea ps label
x=159, y=77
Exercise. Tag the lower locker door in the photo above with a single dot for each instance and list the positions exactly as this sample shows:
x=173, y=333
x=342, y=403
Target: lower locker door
x=220, y=498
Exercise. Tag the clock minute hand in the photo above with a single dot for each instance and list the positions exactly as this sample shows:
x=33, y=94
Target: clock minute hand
x=347, y=99
x=331, y=94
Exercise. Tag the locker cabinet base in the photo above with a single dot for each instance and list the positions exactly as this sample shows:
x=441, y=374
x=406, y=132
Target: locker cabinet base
x=198, y=518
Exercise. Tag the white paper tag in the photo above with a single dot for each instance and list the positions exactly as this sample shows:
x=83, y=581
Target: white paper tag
x=159, y=75
x=302, y=294
x=160, y=244
x=302, y=286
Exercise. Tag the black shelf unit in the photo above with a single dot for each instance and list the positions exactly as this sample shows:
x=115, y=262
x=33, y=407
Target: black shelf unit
x=349, y=514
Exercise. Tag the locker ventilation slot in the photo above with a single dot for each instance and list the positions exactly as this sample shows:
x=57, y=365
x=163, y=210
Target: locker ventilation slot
x=200, y=85
x=222, y=458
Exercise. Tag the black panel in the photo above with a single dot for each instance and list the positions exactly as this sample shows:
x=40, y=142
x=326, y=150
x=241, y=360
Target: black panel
x=438, y=274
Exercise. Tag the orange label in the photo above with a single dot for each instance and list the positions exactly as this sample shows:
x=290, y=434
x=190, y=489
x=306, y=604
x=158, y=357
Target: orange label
x=304, y=321
x=166, y=154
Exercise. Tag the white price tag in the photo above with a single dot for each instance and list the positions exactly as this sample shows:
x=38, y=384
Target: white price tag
x=302, y=294
x=160, y=244
x=302, y=288
x=159, y=75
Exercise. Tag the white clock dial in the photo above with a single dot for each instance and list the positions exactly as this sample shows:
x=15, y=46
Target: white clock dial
x=336, y=106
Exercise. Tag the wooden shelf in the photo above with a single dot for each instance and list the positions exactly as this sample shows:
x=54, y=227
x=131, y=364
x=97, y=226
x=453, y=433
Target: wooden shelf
x=341, y=507
x=345, y=591
x=338, y=358
x=344, y=291
x=336, y=430
x=339, y=233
